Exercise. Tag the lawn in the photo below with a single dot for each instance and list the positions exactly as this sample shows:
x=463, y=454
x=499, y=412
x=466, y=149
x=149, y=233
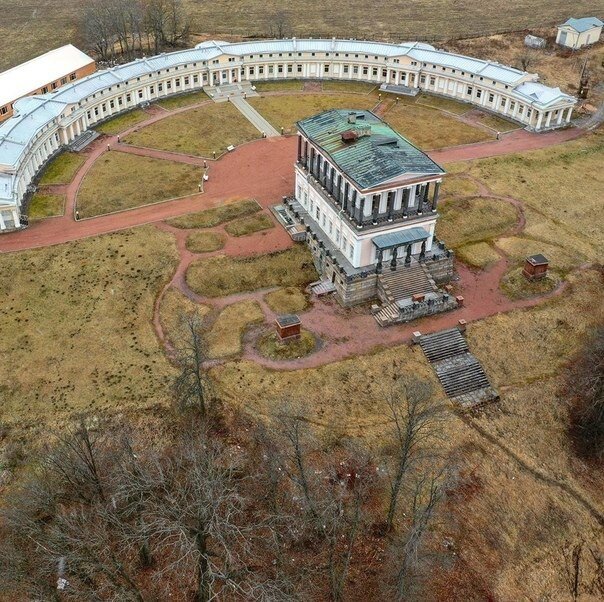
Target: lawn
x=457, y=185
x=218, y=215
x=473, y=220
x=284, y=111
x=444, y=104
x=220, y=276
x=350, y=87
x=479, y=254
x=77, y=329
x=498, y=124
x=183, y=100
x=562, y=188
x=248, y=225
x=46, y=205
x=119, y=181
x=122, y=122
x=278, y=86
x=201, y=131
x=289, y=300
x=62, y=169
x=205, y=242
x=224, y=337
x=430, y=128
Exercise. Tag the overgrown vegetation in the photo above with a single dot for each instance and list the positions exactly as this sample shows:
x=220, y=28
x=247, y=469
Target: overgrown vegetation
x=205, y=242
x=289, y=300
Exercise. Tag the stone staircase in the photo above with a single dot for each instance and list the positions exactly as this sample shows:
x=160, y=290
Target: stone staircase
x=404, y=282
x=387, y=314
x=83, y=140
x=459, y=372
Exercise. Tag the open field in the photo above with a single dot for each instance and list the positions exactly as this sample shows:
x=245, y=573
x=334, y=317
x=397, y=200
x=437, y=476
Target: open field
x=87, y=299
x=200, y=131
x=429, y=128
x=214, y=217
x=120, y=181
x=36, y=28
x=122, y=122
x=279, y=86
x=62, y=169
x=479, y=255
x=205, y=242
x=224, y=337
x=220, y=276
x=46, y=205
x=175, y=305
x=284, y=111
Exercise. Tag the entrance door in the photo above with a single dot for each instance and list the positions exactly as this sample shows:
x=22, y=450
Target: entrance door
x=563, y=38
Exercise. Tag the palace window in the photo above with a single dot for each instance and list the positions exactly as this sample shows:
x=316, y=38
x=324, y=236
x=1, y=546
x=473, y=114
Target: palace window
x=140, y=95
x=478, y=93
x=512, y=105
x=152, y=89
x=196, y=79
x=432, y=81
x=346, y=68
x=491, y=97
x=112, y=104
x=351, y=251
x=261, y=69
x=290, y=68
x=128, y=97
x=169, y=85
x=503, y=102
x=63, y=80
x=422, y=79
x=3, y=110
x=528, y=112
x=299, y=69
x=96, y=111
x=271, y=69
x=374, y=71
x=177, y=83
x=365, y=70
x=160, y=87
x=355, y=69
x=187, y=80
x=326, y=68
x=520, y=109
x=72, y=76
x=280, y=68
x=53, y=85
x=337, y=237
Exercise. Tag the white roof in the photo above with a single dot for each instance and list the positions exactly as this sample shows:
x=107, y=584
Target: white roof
x=35, y=112
x=36, y=73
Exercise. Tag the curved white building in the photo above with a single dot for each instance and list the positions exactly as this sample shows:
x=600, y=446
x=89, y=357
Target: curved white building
x=43, y=124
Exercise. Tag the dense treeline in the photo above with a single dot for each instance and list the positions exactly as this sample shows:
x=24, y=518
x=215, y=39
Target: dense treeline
x=129, y=28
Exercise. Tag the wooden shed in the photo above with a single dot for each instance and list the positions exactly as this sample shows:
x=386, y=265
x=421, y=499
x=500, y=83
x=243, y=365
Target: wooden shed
x=535, y=267
x=288, y=326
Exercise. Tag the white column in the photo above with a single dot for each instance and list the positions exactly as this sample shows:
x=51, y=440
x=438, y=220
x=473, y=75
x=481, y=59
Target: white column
x=538, y=126
x=549, y=118
x=560, y=115
x=570, y=113
x=16, y=219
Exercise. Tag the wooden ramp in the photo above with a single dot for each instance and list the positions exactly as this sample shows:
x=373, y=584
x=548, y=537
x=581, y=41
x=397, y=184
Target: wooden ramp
x=459, y=372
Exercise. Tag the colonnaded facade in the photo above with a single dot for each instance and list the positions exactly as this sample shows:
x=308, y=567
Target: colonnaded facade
x=368, y=200
x=43, y=124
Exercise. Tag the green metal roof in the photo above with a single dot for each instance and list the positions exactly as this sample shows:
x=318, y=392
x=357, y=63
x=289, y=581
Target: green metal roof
x=402, y=237
x=369, y=160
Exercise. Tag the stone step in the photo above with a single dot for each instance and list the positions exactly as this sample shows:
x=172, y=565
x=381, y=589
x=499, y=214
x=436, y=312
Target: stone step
x=404, y=282
x=443, y=345
x=387, y=314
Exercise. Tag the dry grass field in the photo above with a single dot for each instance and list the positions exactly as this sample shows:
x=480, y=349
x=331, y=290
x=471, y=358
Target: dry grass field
x=220, y=276
x=77, y=328
x=200, y=131
x=205, y=242
x=248, y=225
x=289, y=300
x=174, y=305
x=284, y=111
x=45, y=204
x=119, y=181
x=224, y=336
x=429, y=128
x=562, y=189
x=271, y=346
x=216, y=216
x=183, y=100
x=473, y=220
x=31, y=28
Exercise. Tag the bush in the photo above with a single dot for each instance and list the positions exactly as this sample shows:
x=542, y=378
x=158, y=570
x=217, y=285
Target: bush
x=585, y=389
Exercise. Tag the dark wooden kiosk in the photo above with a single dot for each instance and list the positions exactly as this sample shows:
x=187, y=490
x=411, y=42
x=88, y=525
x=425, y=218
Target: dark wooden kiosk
x=535, y=267
x=288, y=326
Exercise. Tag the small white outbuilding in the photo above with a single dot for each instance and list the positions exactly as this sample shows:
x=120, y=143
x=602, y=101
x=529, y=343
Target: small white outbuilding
x=576, y=33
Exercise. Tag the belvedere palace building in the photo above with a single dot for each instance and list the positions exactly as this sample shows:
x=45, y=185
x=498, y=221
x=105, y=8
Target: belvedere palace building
x=43, y=125
x=368, y=200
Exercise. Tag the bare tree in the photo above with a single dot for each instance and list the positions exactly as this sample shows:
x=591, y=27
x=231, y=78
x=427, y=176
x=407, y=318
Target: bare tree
x=527, y=59
x=191, y=386
x=415, y=418
x=407, y=547
x=279, y=26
